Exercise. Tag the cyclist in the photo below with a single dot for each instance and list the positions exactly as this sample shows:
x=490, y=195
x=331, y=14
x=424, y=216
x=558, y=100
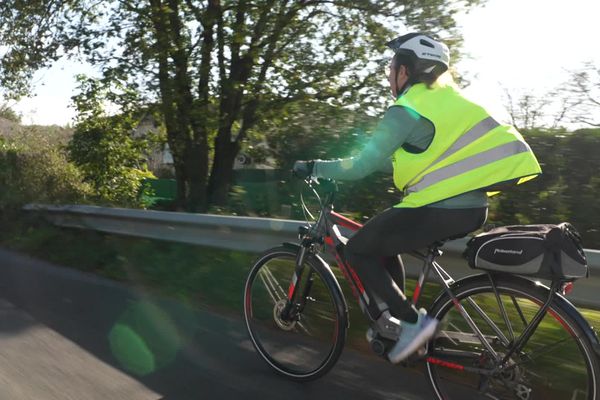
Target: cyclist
x=445, y=153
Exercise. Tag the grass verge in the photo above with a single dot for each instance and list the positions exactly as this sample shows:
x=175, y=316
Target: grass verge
x=200, y=276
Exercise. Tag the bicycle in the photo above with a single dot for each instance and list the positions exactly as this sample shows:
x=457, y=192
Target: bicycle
x=501, y=336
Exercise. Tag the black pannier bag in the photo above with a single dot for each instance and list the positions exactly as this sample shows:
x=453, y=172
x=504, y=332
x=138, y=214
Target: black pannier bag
x=544, y=251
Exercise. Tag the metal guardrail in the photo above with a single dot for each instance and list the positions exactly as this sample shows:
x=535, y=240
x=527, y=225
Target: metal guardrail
x=253, y=235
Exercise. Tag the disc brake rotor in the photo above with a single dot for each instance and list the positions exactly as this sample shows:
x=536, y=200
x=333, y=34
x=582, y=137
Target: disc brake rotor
x=277, y=309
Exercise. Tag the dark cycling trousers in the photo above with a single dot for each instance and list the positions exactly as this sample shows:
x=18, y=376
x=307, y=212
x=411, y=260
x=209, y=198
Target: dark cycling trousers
x=373, y=252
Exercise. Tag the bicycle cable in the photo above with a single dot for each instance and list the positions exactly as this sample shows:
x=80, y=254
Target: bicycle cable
x=305, y=209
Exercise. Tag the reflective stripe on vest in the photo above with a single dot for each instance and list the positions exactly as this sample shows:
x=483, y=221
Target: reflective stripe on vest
x=476, y=132
x=476, y=161
x=469, y=137
x=469, y=151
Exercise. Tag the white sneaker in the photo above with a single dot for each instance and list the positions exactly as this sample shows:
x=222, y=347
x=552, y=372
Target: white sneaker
x=413, y=336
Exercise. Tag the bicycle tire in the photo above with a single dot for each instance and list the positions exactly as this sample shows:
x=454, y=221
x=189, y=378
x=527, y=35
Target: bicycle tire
x=558, y=362
x=293, y=344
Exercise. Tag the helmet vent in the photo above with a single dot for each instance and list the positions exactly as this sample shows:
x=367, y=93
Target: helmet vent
x=426, y=43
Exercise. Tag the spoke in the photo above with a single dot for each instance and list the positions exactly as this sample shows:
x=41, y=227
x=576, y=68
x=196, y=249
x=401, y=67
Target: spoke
x=274, y=283
x=516, y=304
x=476, y=330
x=448, y=335
x=546, y=349
x=267, y=284
x=454, y=354
x=489, y=321
x=535, y=356
x=276, y=293
x=511, y=333
x=305, y=329
x=463, y=337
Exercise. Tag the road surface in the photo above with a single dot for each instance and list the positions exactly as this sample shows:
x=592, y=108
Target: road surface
x=68, y=335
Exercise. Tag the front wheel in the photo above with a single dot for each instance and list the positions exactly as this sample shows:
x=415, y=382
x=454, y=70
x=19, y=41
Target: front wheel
x=305, y=343
x=557, y=362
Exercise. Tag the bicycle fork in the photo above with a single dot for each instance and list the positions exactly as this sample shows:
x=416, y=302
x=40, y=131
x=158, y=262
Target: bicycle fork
x=295, y=304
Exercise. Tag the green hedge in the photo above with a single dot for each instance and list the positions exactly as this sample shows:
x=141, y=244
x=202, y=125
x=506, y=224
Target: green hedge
x=567, y=190
x=34, y=169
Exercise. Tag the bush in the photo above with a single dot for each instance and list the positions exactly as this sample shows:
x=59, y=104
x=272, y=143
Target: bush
x=103, y=147
x=33, y=169
x=567, y=190
x=6, y=112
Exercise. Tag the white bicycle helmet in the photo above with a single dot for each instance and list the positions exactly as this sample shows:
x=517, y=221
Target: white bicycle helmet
x=428, y=55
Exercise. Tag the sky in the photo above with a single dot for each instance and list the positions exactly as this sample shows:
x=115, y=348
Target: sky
x=523, y=46
x=527, y=46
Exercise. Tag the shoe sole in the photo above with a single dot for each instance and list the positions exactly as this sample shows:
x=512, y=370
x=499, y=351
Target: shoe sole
x=426, y=334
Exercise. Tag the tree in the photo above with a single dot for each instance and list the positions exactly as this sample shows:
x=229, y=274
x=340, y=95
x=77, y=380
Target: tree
x=567, y=190
x=217, y=66
x=574, y=102
x=528, y=111
x=8, y=113
x=584, y=89
x=104, y=149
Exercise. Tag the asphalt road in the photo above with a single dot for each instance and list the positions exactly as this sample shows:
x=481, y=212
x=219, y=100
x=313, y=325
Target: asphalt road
x=67, y=335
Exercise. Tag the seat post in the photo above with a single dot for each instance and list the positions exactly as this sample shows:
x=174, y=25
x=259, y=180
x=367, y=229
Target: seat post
x=428, y=258
x=434, y=251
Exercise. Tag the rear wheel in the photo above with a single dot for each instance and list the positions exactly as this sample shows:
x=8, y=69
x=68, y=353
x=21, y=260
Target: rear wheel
x=557, y=363
x=307, y=343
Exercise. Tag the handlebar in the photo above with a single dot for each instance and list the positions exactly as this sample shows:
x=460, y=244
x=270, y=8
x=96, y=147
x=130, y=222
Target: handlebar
x=329, y=186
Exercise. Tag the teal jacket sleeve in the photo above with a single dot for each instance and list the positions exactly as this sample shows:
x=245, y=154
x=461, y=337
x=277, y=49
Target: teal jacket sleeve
x=398, y=126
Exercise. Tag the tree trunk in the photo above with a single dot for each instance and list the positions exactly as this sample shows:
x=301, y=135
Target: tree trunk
x=181, y=184
x=221, y=177
x=187, y=134
x=196, y=171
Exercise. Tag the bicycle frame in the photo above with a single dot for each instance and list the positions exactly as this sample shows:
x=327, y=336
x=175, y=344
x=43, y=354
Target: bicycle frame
x=326, y=232
x=487, y=340
x=336, y=241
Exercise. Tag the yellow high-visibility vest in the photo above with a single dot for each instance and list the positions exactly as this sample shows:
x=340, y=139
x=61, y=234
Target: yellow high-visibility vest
x=469, y=151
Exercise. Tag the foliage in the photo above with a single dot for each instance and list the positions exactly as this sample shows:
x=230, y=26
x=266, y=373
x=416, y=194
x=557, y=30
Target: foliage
x=310, y=130
x=566, y=191
x=216, y=67
x=104, y=149
x=6, y=112
x=529, y=111
x=575, y=102
x=583, y=91
x=34, y=169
